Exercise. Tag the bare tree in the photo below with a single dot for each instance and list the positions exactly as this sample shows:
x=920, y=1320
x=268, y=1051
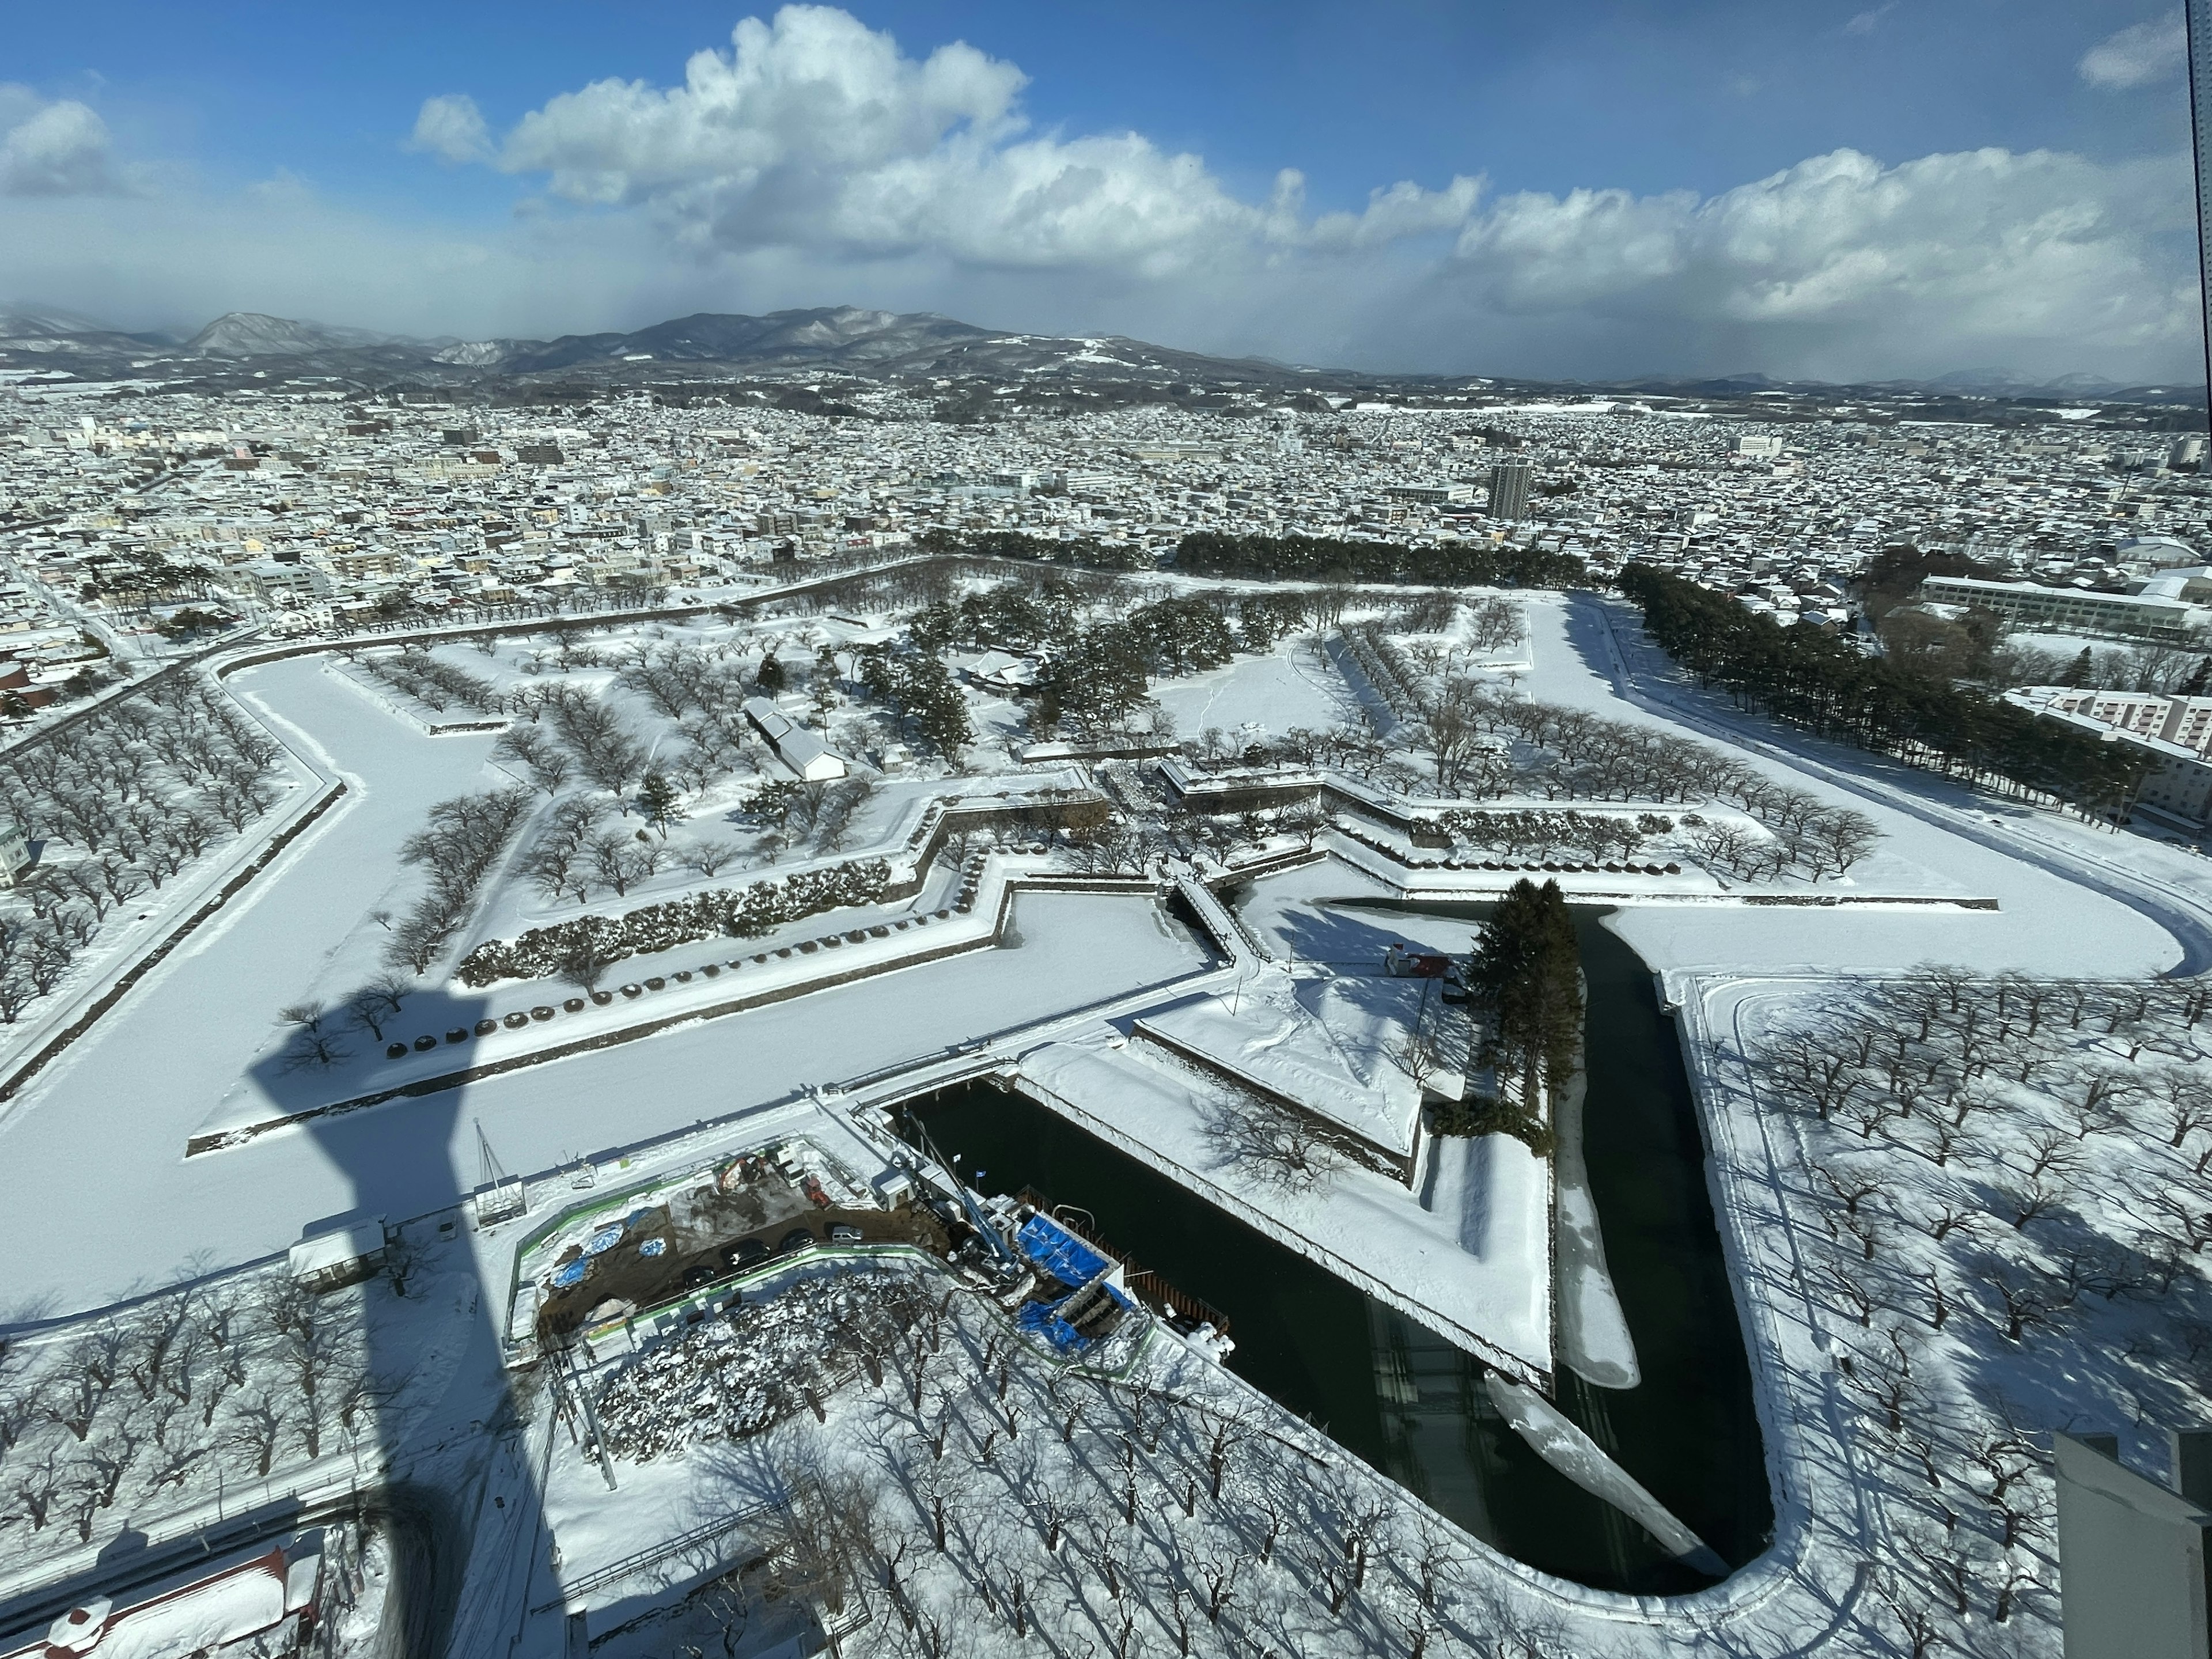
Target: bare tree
x=1270, y=1144
x=258, y=1427
x=707, y=857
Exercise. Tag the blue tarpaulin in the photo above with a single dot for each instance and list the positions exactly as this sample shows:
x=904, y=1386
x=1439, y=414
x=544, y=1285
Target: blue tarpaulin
x=1059, y=1252
x=1042, y=1319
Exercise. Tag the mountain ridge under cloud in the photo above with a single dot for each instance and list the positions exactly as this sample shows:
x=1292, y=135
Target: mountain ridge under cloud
x=849, y=339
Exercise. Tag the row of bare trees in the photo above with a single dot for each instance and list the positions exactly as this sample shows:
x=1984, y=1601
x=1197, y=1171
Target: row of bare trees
x=1992, y=1162
x=122, y=801
x=1476, y=741
x=226, y=1382
x=457, y=848
x=934, y=1467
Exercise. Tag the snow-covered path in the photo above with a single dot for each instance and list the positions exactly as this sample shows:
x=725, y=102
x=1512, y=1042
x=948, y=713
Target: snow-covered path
x=2080, y=915
x=103, y=1131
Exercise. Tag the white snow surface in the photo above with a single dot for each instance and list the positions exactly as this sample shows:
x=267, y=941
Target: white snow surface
x=126, y=1100
x=111, y=1117
x=1561, y=1442
x=1293, y=686
x=1478, y=1272
x=1323, y=1041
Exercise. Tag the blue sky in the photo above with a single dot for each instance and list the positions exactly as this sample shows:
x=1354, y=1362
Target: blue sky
x=1836, y=189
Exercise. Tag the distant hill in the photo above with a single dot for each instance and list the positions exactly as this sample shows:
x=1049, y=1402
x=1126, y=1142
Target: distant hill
x=252, y=334
x=849, y=340
x=23, y=320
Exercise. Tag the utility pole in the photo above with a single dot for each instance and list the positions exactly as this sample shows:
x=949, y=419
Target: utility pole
x=2197, y=15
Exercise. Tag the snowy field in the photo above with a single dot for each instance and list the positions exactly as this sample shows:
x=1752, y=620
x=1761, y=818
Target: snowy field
x=1255, y=696
x=2069, y=1283
x=1469, y=1256
x=2048, y=920
x=207, y=1014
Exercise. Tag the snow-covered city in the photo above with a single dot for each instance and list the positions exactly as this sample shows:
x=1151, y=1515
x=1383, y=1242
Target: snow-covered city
x=949, y=829
x=1128, y=1036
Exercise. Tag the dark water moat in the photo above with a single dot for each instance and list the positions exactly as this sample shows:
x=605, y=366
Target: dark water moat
x=1411, y=1403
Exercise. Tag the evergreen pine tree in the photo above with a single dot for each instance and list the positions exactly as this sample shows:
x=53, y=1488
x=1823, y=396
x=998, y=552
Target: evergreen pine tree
x=771, y=676
x=657, y=798
x=2199, y=680
x=2077, y=673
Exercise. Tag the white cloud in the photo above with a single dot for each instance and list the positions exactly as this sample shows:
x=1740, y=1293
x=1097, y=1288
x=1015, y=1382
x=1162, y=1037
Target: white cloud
x=1866, y=22
x=2041, y=252
x=2137, y=56
x=815, y=163
x=452, y=128
x=816, y=131
x=1403, y=210
x=58, y=148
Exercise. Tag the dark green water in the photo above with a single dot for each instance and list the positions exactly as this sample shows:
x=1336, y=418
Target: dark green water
x=1411, y=1403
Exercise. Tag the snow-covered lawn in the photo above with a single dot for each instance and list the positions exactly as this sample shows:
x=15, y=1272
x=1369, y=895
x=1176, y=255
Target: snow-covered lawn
x=1323, y=1041
x=1995, y=1230
x=1260, y=696
x=2085, y=1306
x=1472, y=1261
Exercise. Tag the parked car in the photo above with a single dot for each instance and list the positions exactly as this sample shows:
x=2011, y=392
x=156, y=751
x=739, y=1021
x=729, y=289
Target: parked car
x=747, y=1251
x=796, y=1239
x=840, y=1233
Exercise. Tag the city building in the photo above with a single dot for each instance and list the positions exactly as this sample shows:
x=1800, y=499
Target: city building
x=1509, y=487
x=2070, y=610
x=809, y=759
x=2186, y=722
x=15, y=851
x=2132, y=1557
x=2177, y=788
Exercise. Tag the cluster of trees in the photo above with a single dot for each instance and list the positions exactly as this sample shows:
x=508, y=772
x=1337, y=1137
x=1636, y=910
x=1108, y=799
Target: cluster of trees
x=792, y=811
x=2152, y=665
x=1008, y=1496
x=456, y=848
x=1009, y=616
x=318, y=1031
x=1525, y=977
x=123, y=798
x=918, y=688
x=1799, y=835
x=1828, y=686
x=1538, y=834
x=1480, y=742
x=1991, y=1164
x=433, y=683
x=1095, y=674
x=591, y=945
x=139, y=1411
x=1097, y=679
x=573, y=735
x=1096, y=670
x=1086, y=552
x=1339, y=559
x=576, y=853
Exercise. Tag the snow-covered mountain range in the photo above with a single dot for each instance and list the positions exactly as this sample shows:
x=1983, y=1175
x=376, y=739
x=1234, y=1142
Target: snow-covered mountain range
x=833, y=339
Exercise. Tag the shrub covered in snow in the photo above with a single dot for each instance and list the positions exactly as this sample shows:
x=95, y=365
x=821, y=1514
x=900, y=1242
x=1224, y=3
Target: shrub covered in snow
x=736, y=912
